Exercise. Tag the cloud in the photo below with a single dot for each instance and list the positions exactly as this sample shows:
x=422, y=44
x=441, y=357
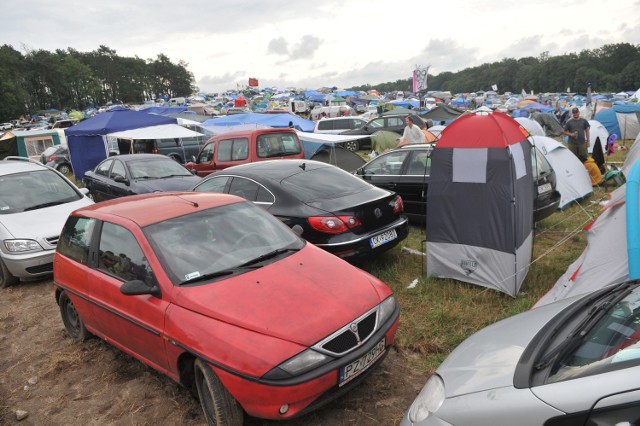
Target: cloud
x=306, y=48
x=278, y=46
x=227, y=80
x=445, y=55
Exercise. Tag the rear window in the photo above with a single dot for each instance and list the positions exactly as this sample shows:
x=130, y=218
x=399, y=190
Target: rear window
x=277, y=145
x=325, y=125
x=323, y=183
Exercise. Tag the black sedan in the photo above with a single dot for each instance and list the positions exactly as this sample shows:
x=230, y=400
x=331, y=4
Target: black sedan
x=406, y=171
x=392, y=123
x=123, y=175
x=322, y=203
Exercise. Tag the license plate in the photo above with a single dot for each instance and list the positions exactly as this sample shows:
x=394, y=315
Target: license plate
x=544, y=188
x=359, y=366
x=383, y=238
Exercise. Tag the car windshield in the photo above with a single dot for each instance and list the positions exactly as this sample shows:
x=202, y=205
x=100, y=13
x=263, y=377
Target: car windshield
x=219, y=241
x=609, y=339
x=323, y=183
x=159, y=168
x=34, y=190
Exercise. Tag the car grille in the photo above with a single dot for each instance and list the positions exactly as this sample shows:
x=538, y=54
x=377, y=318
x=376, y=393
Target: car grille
x=351, y=336
x=47, y=267
x=53, y=240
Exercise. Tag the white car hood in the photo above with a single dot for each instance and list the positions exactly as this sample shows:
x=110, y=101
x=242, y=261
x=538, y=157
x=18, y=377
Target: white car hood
x=42, y=223
x=488, y=359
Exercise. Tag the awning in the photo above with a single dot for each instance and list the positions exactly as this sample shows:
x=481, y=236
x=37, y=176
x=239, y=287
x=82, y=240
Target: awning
x=164, y=131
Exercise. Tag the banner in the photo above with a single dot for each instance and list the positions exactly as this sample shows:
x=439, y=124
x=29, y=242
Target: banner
x=253, y=82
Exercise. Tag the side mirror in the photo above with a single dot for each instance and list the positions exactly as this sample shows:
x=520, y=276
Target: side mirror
x=121, y=179
x=139, y=287
x=193, y=159
x=360, y=171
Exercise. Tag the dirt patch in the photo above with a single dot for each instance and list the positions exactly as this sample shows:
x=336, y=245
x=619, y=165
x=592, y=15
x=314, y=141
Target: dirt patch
x=59, y=381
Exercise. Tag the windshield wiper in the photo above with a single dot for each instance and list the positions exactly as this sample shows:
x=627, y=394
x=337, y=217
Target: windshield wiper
x=593, y=316
x=268, y=255
x=217, y=274
x=43, y=205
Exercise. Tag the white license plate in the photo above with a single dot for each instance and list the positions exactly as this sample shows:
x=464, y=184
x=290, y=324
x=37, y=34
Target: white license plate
x=544, y=188
x=383, y=238
x=353, y=370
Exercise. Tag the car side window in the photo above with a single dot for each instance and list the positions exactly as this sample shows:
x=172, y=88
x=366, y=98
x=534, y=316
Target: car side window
x=118, y=170
x=244, y=188
x=206, y=154
x=395, y=122
x=378, y=122
x=120, y=255
x=420, y=164
x=264, y=196
x=103, y=168
x=224, y=150
x=75, y=238
x=342, y=124
x=389, y=164
x=216, y=184
x=240, y=149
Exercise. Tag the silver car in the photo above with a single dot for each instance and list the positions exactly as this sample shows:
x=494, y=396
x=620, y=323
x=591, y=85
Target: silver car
x=572, y=362
x=35, y=202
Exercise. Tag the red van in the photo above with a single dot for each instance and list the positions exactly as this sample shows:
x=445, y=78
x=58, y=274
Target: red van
x=232, y=149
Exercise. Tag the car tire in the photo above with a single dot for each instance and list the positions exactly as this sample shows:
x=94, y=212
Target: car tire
x=71, y=319
x=64, y=168
x=219, y=407
x=6, y=279
x=352, y=146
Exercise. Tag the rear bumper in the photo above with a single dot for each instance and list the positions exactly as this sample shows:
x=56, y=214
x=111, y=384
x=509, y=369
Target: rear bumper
x=548, y=205
x=360, y=246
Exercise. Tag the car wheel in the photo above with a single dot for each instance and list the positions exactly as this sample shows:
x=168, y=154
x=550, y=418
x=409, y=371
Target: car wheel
x=352, y=146
x=6, y=279
x=64, y=169
x=219, y=407
x=71, y=319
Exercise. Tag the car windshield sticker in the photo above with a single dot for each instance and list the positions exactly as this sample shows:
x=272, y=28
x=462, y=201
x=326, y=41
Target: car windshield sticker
x=192, y=275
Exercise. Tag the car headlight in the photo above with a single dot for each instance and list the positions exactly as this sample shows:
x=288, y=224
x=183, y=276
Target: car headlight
x=20, y=246
x=428, y=400
x=299, y=364
x=386, y=309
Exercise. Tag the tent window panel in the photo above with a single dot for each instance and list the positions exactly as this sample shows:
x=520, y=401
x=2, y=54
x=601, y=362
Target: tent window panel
x=35, y=147
x=470, y=165
x=518, y=160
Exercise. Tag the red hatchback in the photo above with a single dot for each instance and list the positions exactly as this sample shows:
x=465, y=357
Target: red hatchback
x=219, y=295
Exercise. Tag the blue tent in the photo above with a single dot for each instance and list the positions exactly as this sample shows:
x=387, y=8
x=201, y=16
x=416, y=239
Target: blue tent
x=86, y=141
x=621, y=120
x=272, y=120
x=165, y=110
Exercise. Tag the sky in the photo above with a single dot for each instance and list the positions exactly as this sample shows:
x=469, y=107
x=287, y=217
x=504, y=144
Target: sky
x=312, y=44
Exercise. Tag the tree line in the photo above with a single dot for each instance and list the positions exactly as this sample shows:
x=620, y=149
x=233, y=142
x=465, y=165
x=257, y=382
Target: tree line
x=610, y=68
x=69, y=79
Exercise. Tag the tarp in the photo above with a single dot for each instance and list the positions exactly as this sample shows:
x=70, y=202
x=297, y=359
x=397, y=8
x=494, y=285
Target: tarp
x=272, y=120
x=604, y=261
x=572, y=179
x=164, y=110
x=480, y=203
x=87, y=139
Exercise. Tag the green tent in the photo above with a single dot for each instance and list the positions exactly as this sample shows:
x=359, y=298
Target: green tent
x=383, y=140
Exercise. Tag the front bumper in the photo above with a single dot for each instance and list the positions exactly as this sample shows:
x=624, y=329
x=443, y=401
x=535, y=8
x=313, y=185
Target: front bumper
x=29, y=265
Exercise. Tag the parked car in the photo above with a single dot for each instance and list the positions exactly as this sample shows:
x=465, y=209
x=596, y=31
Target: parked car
x=338, y=124
x=571, y=362
x=324, y=204
x=57, y=157
x=6, y=126
x=235, y=148
x=180, y=150
x=406, y=171
x=130, y=174
x=34, y=204
x=394, y=123
x=224, y=299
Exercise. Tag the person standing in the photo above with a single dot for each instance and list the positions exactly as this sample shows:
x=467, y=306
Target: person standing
x=577, y=129
x=411, y=134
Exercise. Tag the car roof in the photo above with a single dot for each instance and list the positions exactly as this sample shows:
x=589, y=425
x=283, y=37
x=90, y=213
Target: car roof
x=146, y=209
x=273, y=169
x=126, y=157
x=9, y=166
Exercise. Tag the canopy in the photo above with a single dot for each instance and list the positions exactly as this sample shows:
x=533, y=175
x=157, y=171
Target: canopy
x=272, y=120
x=163, y=131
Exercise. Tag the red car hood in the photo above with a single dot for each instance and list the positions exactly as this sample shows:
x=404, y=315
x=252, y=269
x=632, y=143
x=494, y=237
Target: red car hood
x=302, y=298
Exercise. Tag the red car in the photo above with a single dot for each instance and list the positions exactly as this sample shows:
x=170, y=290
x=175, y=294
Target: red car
x=219, y=295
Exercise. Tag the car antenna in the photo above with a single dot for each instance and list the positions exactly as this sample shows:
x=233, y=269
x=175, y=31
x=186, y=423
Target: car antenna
x=193, y=203
x=303, y=166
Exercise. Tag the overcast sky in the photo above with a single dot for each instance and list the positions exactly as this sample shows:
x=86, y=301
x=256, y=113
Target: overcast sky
x=310, y=44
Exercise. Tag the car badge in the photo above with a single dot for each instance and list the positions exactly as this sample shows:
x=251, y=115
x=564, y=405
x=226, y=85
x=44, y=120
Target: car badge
x=353, y=327
x=378, y=213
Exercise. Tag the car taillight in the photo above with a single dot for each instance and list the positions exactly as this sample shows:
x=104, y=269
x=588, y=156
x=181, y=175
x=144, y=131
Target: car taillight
x=334, y=224
x=398, y=205
x=154, y=150
x=52, y=158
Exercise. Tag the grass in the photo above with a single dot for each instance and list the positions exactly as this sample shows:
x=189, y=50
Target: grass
x=438, y=314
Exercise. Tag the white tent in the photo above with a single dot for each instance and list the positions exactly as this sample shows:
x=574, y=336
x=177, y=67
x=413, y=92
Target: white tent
x=572, y=178
x=604, y=261
x=532, y=126
x=164, y=131
x=597, y=131
x=632, y=156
